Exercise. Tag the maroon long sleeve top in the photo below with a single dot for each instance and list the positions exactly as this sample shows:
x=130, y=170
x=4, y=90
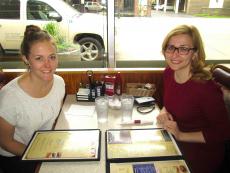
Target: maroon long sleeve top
x=198, y=106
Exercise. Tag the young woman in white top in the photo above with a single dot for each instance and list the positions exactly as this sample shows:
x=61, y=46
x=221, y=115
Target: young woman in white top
x=31, y=101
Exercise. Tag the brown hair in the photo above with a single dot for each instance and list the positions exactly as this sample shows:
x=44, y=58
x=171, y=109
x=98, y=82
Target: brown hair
x=198, y=63
x=33, y=34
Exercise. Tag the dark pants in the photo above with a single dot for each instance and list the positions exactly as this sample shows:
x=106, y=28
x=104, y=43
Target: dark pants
x=15, y=165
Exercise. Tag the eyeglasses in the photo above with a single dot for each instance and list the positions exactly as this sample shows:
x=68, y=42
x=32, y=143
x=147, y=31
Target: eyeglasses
x=181, y=50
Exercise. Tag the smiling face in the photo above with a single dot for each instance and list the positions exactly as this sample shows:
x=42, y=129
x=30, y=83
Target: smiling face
x=42, y=60
x=180, y=61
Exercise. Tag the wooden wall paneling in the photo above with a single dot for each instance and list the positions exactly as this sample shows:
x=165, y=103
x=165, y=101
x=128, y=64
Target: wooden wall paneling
x=73, y=79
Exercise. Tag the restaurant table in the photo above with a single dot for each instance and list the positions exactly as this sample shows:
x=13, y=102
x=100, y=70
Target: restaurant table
x=68, y=120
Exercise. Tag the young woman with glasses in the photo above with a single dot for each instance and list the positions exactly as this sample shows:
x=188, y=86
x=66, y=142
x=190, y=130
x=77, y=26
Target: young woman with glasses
x=194, y=110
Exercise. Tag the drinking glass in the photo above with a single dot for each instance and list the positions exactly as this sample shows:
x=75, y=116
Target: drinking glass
x=127, y=107
x=101, y=104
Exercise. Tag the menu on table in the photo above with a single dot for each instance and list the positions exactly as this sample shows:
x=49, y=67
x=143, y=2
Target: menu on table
x=166, y=166
x=64, y=145
x=140, y=143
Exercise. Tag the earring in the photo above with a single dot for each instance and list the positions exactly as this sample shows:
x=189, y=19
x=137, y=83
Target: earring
x=27, y=63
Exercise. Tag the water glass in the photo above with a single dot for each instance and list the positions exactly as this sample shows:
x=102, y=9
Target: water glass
x=101, y=104
x=127, y=107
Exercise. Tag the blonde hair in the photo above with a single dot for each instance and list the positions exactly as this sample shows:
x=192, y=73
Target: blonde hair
x=198, y=65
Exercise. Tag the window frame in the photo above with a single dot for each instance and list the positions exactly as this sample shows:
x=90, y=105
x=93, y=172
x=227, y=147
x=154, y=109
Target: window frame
x=111, y=62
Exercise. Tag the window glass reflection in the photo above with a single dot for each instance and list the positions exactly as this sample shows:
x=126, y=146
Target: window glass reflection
x=78, y=27
x=141, y=26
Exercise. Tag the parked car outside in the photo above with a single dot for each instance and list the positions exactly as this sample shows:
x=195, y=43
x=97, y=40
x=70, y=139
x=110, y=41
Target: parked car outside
x=161, y=7
x=94, y=6
x=78, y=28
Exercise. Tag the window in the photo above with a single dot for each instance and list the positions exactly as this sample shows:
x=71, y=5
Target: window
x=37, y=10
x=87, y=29
x=117, y=33
x=9, y=9
x=139, y=32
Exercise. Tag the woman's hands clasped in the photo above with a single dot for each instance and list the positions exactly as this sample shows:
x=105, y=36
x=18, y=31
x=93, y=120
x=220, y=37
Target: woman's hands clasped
x=166, y=120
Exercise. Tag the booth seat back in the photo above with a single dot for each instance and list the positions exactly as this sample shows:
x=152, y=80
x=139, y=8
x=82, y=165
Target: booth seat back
x=221, y=74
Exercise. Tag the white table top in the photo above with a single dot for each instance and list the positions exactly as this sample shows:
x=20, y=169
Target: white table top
x=68, y=121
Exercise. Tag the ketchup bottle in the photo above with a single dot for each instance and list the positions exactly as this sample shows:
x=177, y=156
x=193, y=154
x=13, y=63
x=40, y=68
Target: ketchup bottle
x=110, y=82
